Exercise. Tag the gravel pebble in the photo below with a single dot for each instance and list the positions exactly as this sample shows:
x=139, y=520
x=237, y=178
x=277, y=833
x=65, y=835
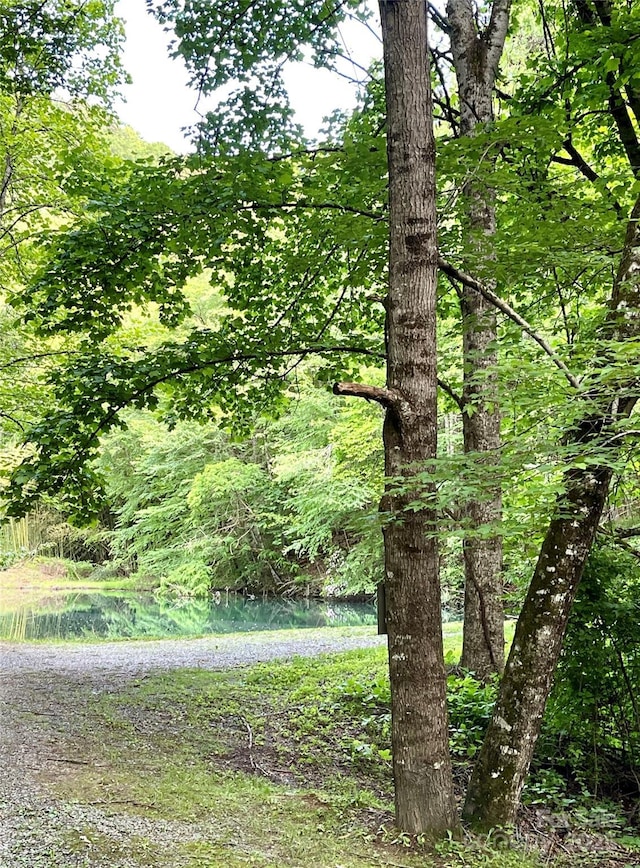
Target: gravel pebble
x=212, y=652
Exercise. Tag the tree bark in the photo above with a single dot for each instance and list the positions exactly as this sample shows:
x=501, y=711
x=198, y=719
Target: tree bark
x=503, y=762
x=421, y=762
x=476, y=57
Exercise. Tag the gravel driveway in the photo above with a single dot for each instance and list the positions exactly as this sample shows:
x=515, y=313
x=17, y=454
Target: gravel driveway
x=213, y=652
x=40, y=684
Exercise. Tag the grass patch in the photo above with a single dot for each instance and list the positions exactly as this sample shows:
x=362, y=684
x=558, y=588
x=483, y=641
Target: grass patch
x=261, y=765
x=86, y=846
x=238, y=819
x=274, y=765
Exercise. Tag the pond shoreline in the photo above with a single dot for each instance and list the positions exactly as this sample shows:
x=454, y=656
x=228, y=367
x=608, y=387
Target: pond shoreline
x=38, y=604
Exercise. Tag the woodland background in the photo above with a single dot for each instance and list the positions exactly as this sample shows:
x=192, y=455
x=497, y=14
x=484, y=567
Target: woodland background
x=173, y=326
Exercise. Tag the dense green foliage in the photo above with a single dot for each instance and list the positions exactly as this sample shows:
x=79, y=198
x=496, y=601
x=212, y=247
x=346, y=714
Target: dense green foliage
x=294, y=248
x=196, y=286
x=292, y=508
x=59, y=70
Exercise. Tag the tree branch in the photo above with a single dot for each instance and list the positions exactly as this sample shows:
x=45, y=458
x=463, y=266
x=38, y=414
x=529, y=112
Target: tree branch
x=10, y=418
x=578, y=161
x=450, y=113
x=503, y=306
x=305, y=152
x=496, y=32
x=387, y=398
x=502, y=94
x=617, y=105
x=439, y=19
x=174, y=371
x=317, y=206
x=626, y=131
x=623, y=544
x=446, y=388
x=626, y=532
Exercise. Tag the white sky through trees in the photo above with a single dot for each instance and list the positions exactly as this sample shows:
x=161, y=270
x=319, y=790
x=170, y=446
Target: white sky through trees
x=159, y=102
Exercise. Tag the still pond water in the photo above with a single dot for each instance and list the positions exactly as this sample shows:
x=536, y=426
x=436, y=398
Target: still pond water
x=94, y=615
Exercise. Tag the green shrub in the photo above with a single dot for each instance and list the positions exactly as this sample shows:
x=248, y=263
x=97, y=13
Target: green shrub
x=77, y=543
x=470, y=705
x=292, y=510
x=106, y=572
x=78, y=570
x=469, y=702
x=189, y=580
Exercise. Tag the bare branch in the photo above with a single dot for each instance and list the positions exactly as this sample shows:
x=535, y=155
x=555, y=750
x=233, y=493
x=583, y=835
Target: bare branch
x=439, y=19
x=375, y=33
x=620, y=436
x=347, y=57
x=451, y=114
x=503, y=306
x=579, y=161
x=502, y=94
x=627, y=532
x=36, y=356
x=12, y=419
x=387, y=398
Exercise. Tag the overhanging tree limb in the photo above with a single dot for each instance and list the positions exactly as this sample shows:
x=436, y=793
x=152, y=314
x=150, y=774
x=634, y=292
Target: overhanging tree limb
x=505, y=308
x=386, y=397
x=576, y=159
x=102, y=387
x=455, y=397
x=438, y=18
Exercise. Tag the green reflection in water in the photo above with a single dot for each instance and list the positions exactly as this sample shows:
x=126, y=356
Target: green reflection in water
x=63, y=616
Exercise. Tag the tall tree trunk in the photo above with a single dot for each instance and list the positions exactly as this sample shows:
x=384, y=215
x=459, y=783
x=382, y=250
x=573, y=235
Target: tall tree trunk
x=476, y=57
x=421, y=761
x=503, y=762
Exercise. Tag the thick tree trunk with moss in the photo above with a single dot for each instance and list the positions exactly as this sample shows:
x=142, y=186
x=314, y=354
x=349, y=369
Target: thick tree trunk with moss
x=476, y=57
x=503, y=762
x=421, y=761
